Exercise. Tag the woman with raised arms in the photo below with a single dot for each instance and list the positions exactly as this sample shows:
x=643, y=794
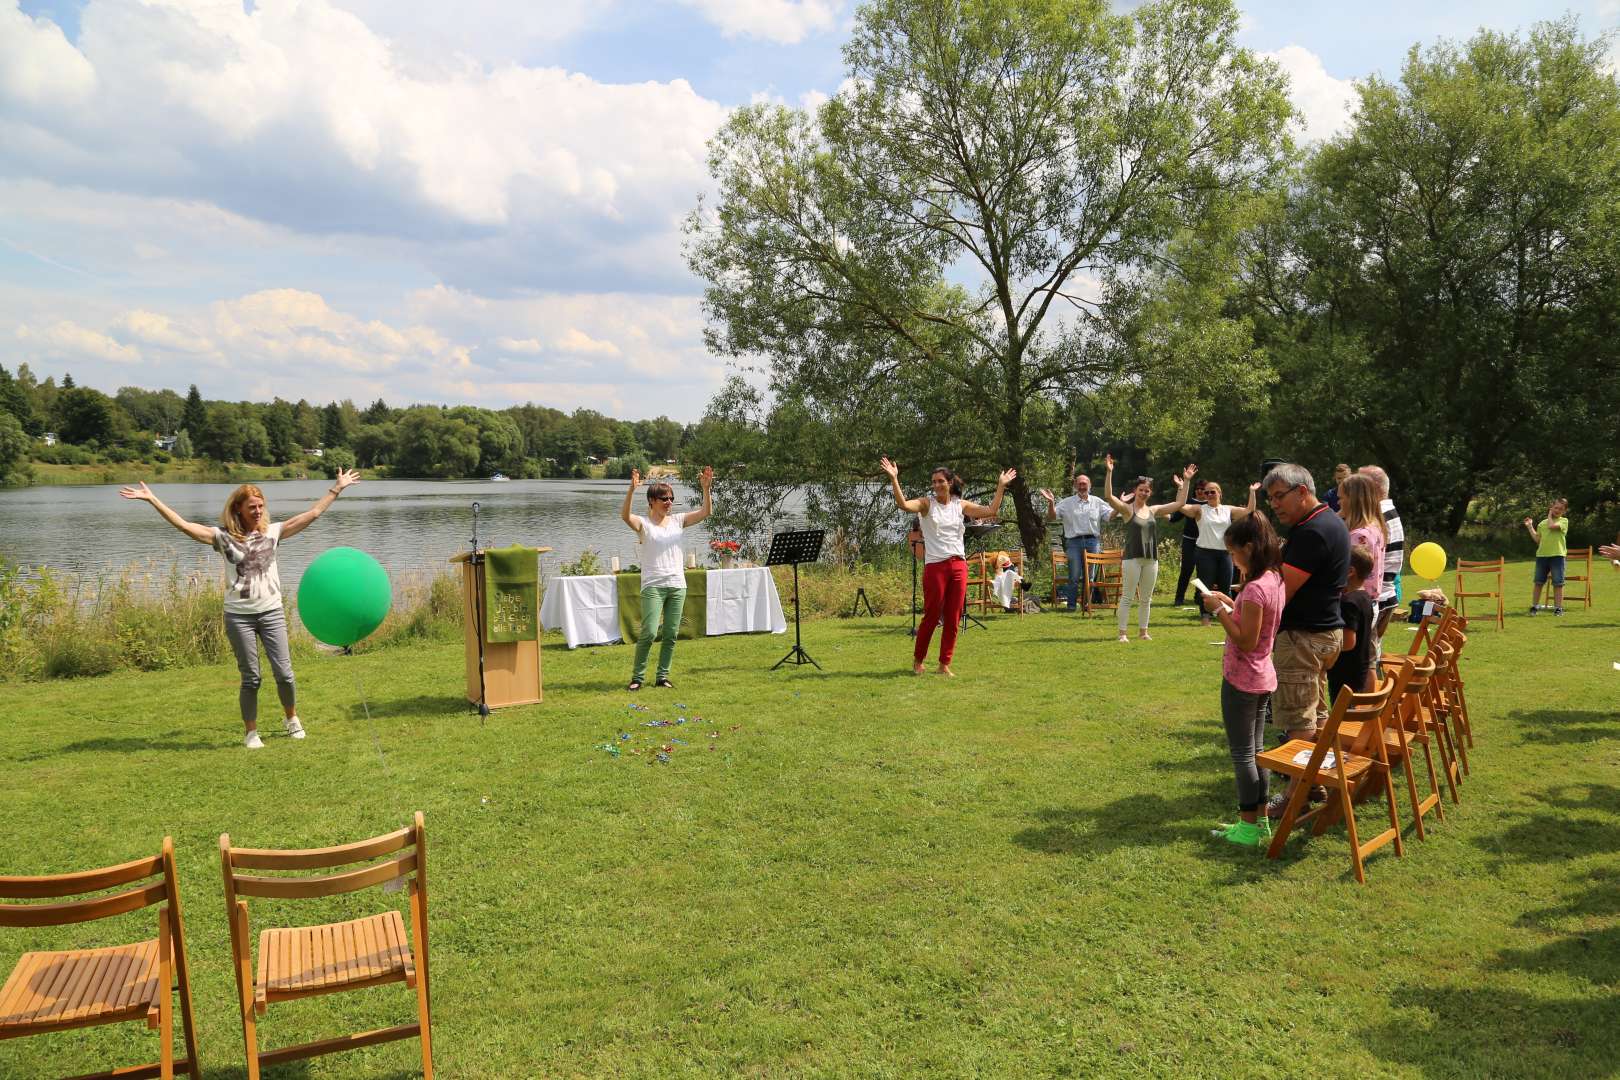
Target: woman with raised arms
x=942, y=516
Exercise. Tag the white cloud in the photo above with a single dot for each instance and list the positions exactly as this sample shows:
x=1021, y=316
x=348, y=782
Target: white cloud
x=298, y=114
x=1324, y=103
x=577, y=341
x=522, y=346
x=150, y=328
x=496, y=31
x=786, y=22
x=67, y=340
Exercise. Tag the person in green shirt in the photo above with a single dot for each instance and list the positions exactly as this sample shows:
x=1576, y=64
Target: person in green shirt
x=1552, y=544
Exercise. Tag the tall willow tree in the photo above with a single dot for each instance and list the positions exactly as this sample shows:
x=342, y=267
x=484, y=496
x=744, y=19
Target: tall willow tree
x=988, y=202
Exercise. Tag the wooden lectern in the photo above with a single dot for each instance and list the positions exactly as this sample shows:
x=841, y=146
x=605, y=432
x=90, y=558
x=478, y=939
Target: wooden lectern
x=512, y=668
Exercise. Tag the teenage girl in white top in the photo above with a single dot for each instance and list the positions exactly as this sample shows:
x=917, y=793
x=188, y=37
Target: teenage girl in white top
x=1212, y=560
x=663, y=576
x=941, y=516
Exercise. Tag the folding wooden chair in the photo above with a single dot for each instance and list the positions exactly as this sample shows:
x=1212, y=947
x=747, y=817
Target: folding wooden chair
x=304, y=961
x=1454, y=701
x=57, y=991
x=1482, y=571
x=979, y=579
x=992, y=570
x=1102, y=572
x=1356, y=765
x=1060, y=573
x=1412, y=727
x=1582, y=557
x=1429, y=628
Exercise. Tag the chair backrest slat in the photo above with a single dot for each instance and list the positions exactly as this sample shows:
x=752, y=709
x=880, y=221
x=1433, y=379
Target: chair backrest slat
x=83, y=881
x=291, y=888
x=77, y=911
x=312, y=858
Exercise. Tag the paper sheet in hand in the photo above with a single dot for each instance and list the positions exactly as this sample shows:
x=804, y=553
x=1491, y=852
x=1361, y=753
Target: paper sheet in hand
x=1304, y=758
x=1203, y=589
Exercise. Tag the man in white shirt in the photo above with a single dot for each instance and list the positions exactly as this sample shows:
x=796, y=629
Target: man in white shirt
x=1082, y=515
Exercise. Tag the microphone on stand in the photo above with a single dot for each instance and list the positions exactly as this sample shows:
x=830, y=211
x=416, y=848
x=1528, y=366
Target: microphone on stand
x=478, y=618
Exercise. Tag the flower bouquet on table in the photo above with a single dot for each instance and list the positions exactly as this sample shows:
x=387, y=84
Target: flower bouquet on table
x=727, y=552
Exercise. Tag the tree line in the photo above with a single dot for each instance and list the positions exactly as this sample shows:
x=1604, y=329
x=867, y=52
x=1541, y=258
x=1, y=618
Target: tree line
x=435, y=441
x=1028, y=231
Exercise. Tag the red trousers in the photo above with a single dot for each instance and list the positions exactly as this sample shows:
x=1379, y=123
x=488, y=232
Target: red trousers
x=944, y=595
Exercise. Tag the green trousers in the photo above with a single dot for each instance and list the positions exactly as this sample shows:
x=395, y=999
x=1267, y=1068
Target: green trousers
x=661, y=608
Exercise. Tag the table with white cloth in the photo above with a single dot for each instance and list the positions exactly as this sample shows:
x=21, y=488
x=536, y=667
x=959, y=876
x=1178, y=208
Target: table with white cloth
x=586, y=609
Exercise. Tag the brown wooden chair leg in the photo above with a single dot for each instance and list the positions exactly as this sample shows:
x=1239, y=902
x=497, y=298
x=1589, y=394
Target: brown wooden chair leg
x=1349, y=813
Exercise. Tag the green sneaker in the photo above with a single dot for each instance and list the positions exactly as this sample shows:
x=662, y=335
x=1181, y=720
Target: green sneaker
x=1247, y=834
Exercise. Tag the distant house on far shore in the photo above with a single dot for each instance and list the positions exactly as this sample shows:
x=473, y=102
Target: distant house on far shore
x=165, y=443
x=49, y=438
x=317, y=452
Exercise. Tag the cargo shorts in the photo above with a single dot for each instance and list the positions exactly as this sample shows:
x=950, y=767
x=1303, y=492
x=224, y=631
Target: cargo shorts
x=1301, y=659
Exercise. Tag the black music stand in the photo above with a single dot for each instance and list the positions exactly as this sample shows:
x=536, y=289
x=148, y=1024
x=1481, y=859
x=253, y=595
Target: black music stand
x=794, y=548
x=914, y=537
x=976, y=532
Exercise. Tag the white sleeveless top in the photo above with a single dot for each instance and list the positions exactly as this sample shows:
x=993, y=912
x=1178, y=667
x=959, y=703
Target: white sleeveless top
x=661, y=560
x=942, y=531
x=1213, y=521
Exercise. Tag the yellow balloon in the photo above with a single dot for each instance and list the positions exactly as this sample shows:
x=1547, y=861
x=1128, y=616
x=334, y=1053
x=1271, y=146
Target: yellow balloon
x=1429, y=560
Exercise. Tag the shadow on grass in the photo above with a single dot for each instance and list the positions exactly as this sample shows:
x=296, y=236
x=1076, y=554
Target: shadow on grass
x=1482, y=1031
x=421, y=705
x=1561, y=834
x=128, y=744
x=1559, y=727
x=298, y=1070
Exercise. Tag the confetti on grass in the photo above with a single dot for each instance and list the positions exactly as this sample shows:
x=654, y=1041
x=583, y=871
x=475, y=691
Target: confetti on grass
x=661, y=751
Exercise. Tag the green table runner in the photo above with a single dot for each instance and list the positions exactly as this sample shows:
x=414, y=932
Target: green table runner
x=512, y=594
x=694, y=616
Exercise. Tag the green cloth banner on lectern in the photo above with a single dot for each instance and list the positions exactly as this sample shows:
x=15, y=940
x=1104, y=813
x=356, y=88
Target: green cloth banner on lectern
x=511, y=594
x=694, y=616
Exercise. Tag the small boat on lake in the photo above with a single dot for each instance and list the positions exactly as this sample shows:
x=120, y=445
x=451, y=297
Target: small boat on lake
x=499, y=478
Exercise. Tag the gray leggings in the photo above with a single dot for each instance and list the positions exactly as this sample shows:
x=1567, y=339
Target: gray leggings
x=246, y=632
x=1244, y=715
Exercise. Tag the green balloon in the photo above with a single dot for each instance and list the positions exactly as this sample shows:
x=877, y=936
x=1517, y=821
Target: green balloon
x=343, y=596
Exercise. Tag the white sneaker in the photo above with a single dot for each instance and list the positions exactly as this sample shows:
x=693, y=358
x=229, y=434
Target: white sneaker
x=253, y=742
x=294, y=728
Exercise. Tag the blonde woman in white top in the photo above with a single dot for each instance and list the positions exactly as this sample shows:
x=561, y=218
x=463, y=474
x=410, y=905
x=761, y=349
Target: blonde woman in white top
x=942, y=515
x=663, y=575
x=1213, y=561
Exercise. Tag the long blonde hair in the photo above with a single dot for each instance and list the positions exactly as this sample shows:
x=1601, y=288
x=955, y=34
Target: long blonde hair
x=1358, y=504
x=231, y=518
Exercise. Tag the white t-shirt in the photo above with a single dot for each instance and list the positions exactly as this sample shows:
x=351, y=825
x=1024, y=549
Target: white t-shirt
x=1213, y=521
x=942, y=531
x=255, y=583
x=661, y=563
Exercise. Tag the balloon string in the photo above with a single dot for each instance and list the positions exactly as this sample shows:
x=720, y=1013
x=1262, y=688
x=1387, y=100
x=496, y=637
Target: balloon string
x=375, y=741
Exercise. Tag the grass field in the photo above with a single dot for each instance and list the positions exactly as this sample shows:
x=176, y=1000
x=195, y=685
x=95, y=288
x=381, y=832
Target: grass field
x=1006, y=874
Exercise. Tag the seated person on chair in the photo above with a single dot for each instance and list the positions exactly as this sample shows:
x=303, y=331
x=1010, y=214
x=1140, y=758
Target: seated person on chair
x=1007, y=582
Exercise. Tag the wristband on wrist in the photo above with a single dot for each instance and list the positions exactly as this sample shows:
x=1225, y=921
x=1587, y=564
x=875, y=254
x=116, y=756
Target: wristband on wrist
x=334, y=492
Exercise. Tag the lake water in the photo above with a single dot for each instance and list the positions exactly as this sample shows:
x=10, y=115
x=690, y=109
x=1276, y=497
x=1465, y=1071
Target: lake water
x=412, y=527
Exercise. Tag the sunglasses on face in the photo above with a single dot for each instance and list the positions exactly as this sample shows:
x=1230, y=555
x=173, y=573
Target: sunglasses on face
x=664, y=498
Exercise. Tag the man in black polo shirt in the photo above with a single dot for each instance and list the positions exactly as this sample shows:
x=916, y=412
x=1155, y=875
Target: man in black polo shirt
x=1316, y=562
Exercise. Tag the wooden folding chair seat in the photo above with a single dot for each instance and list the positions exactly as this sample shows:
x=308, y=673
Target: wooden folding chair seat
x=1107, y=569
x=58, y=991
x=304, y=961
x=1582, y=558
x=1357, y=765
x=1482, y=572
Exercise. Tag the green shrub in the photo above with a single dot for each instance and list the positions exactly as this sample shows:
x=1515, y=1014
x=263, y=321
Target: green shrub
x=588, y=563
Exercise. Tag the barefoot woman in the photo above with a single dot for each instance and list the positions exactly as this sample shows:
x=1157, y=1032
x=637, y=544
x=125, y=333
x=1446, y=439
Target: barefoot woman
x=248, y=540
x=663, y=575
x=945, y=571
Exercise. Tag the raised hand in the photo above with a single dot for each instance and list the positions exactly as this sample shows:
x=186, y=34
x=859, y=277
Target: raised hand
x=1007, y=477
x=1190, y=471
x=1108, y=462
x=344, y=478
x=1528, y=523
x=706, y=477
x=137, y=491
x=635, y=479
x=1255, y=486
x=891, y=468
x=1047, y=495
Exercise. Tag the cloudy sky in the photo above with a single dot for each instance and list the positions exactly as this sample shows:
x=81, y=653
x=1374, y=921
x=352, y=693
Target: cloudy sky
x=470, y=202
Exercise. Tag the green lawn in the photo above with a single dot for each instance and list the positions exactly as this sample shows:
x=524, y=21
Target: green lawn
x=1008, y=874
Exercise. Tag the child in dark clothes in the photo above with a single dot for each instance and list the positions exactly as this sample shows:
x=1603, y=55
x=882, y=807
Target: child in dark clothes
x=1354, y=666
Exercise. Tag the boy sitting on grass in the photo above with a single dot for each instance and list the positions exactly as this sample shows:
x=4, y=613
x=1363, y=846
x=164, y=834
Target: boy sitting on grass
x=1354, y=666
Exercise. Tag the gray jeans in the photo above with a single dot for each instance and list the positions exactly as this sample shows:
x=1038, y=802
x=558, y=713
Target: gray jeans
x=246, y=633
x=1244, y=715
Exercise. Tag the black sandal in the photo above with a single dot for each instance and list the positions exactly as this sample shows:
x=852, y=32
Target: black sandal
x=664, y=684
x=635, y=684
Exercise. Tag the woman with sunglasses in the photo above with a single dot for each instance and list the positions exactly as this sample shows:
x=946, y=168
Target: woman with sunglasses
x=663, y=573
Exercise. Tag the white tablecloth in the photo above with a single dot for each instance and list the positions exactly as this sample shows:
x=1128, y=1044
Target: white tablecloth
x=744, y=601
x=586, y=609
